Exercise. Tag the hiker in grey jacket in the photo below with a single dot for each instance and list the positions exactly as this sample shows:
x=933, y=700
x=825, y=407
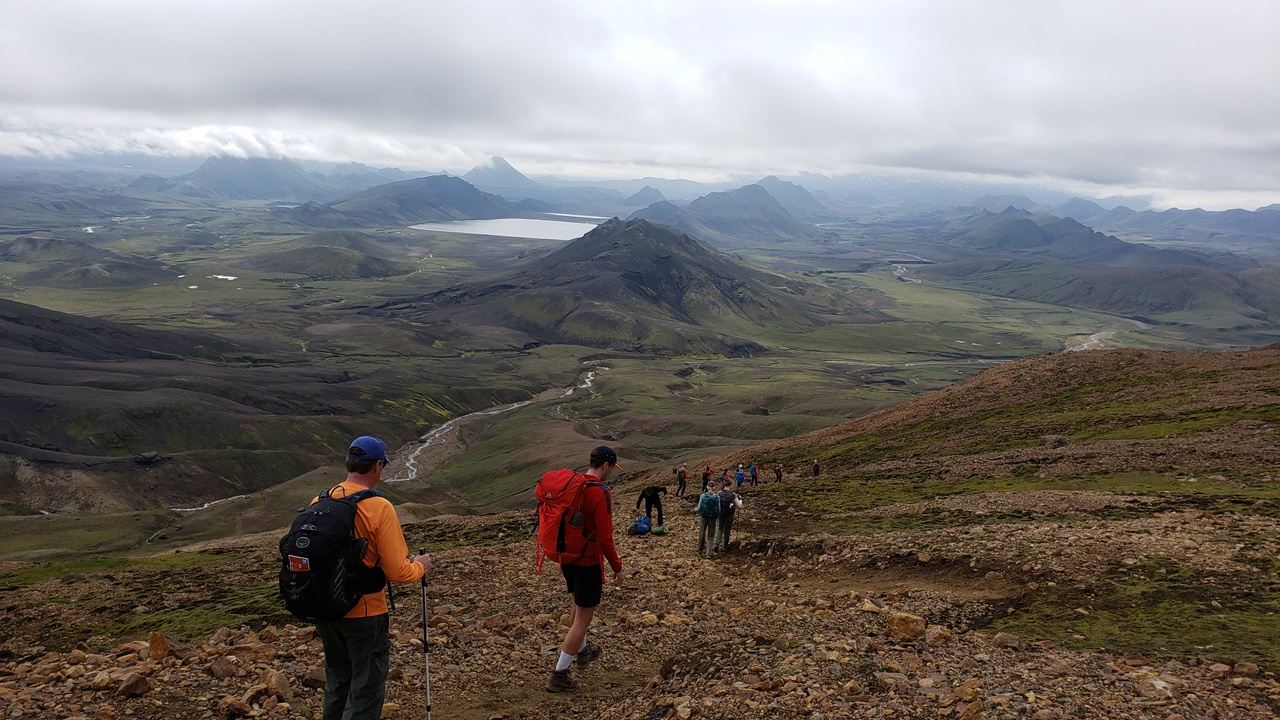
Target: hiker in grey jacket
x=730, y=501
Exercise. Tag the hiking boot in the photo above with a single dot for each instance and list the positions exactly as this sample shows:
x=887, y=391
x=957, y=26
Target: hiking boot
x=588, y=655
x=561, y=681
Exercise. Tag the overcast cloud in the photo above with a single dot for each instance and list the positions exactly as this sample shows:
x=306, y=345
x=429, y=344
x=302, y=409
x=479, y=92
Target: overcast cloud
x=1177, y=99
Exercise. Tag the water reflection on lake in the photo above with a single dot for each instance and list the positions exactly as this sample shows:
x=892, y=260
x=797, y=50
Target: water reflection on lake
x=514, y=227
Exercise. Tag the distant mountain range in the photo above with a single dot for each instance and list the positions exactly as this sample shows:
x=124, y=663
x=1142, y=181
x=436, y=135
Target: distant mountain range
x=731, y=219
x=630, y=285
x=999, y=203
x=1175, y=223
x=1037, y=256
x=429, y=199
x=1048, y=237
x=234, y=178
x=263, y=178
x=796, y=200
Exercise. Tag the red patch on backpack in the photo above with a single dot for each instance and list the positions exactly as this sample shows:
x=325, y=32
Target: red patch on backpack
x=299, y=564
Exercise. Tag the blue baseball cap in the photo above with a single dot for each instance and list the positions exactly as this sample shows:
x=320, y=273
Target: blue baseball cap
x=367, y=447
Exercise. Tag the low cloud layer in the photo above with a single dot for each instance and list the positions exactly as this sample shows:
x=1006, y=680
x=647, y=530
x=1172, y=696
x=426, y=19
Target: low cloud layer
x=1176, y=99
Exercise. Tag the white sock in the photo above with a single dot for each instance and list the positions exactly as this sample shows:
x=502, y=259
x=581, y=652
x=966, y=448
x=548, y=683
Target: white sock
x=565, y=661
x=584, y=646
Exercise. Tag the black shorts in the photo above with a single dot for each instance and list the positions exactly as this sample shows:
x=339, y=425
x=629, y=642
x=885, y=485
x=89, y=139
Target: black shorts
x=586, y=582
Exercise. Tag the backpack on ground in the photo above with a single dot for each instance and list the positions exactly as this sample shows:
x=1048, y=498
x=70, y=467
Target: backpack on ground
x=641, y=526
x=709, y=506
x=562, y=531
x=322, y=570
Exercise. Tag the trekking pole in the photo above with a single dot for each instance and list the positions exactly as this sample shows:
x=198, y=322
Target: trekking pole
x=426, y=649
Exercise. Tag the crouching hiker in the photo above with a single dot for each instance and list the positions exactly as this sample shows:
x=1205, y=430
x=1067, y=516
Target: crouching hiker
x=651, y=496
x=575, y=529
x=336, y=563
x=708, y=512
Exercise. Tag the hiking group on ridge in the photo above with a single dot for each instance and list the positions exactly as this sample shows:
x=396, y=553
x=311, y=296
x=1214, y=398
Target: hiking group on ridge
x=345, y=550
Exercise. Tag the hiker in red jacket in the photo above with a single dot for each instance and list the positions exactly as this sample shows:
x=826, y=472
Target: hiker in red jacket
x=585, y=577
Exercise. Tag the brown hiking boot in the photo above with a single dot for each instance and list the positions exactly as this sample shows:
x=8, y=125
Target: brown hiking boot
x=588, y=655
x=561, y=681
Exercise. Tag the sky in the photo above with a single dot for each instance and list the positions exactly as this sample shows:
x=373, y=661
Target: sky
x=1173, y=99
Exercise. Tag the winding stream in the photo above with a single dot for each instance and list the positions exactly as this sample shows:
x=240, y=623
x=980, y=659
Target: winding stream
x=437, y=435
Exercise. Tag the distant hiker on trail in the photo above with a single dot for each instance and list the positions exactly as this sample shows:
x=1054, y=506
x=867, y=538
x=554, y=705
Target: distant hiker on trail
x=652, y=498
x=724, y=475
x=777, y=472
x=708, y=513
x=740, y=477
x=682, y=476
x=730, y=501
x=817, y=469
x=354, y=627
x=755, y=473
x=706, y=477
x=575, y=529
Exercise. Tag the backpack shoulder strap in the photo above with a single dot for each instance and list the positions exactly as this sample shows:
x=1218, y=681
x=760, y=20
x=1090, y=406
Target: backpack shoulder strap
x=363, y=495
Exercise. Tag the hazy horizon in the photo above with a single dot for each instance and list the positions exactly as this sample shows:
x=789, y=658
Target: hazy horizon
x=1175, y=101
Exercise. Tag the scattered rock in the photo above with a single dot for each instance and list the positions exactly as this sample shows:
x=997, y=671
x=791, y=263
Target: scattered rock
x=133, y=685
x=1007, y=640
x=220, y=668
x=904, y=626
x=314, y=678
x=1247, y=669
x=497, y=621
x=231, y=706
x=277, y=685
x=937, y=634
x=161, y=646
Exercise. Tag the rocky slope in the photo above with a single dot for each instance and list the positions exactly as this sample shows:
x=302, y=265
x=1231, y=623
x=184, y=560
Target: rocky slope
x=922, y=575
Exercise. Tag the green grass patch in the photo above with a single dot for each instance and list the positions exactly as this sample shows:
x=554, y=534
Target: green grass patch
x=37, y=572
x=836, y=501
x=1158, y=610
x=226, y=607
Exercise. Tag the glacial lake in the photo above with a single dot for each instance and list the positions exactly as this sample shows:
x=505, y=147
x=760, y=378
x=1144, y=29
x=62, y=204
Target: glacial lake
x=515, y=227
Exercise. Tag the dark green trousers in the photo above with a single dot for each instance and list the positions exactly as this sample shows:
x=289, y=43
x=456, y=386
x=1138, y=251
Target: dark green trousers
x=356, y=653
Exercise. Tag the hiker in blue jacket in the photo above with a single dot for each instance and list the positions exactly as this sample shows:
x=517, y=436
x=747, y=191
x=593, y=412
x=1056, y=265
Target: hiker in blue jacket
x=755, y=473
x=740, y=476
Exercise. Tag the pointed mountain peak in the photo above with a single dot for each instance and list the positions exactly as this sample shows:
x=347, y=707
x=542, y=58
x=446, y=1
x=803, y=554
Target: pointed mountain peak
x=646, y=195
x=497, y=173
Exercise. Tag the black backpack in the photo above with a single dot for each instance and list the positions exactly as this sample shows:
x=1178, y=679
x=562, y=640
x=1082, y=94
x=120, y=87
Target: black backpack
x=322, y=571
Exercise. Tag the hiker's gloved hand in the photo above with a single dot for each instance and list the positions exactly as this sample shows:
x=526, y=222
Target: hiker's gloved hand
x=424, y=561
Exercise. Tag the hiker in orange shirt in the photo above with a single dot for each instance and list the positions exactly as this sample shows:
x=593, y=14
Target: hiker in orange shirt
x=357, y=648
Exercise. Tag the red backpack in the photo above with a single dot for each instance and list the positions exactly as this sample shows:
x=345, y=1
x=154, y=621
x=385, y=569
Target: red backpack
x=562, y=531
